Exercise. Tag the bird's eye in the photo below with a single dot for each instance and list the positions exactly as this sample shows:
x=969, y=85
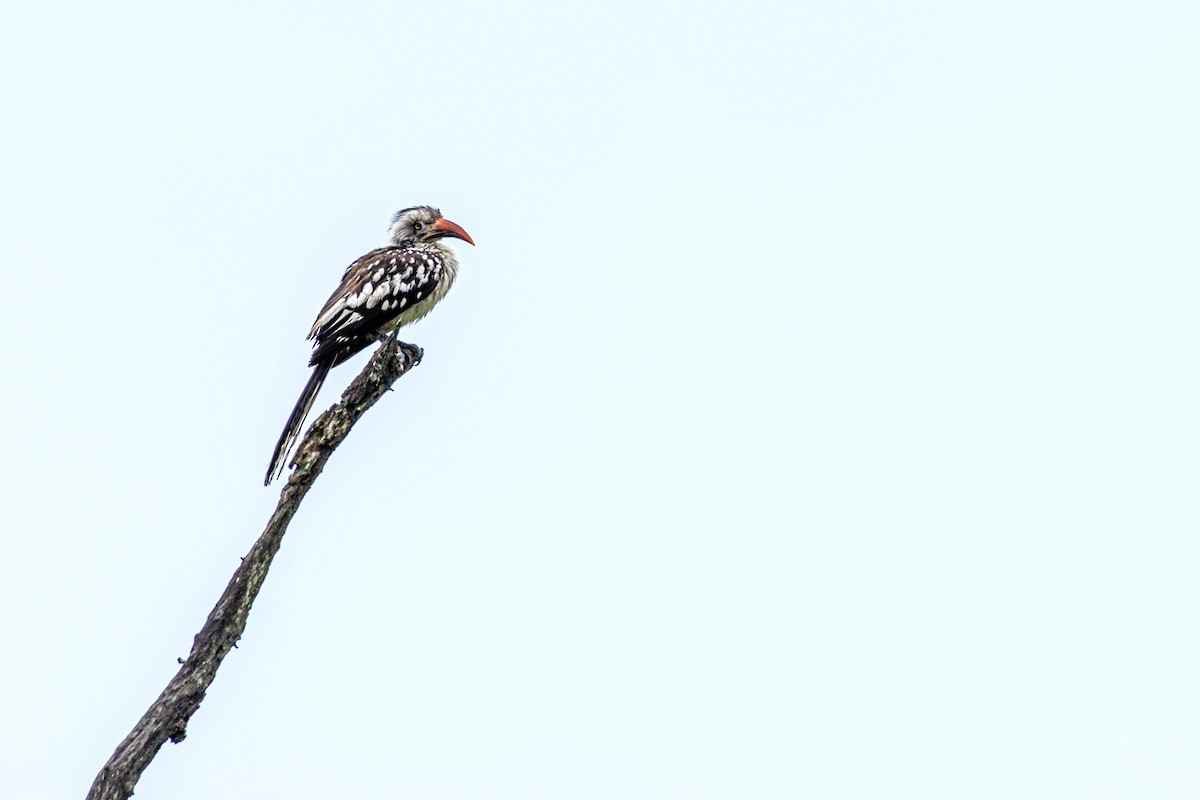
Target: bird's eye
x=418, y=226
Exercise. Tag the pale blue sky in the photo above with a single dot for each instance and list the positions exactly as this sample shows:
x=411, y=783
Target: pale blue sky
x=816, y=417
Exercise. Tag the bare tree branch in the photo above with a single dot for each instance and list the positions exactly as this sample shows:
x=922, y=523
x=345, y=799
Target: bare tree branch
x=167, y=718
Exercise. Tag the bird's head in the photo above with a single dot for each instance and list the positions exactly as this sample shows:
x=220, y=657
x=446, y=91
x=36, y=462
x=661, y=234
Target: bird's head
x=423, y=224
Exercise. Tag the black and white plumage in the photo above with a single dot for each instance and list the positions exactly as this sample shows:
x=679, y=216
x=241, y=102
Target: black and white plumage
x=383, y=290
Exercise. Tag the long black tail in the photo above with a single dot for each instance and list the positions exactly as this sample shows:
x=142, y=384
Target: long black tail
x=291, y=431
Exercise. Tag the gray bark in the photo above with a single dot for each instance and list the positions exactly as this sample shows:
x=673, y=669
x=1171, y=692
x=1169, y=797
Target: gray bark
x=167, y=718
